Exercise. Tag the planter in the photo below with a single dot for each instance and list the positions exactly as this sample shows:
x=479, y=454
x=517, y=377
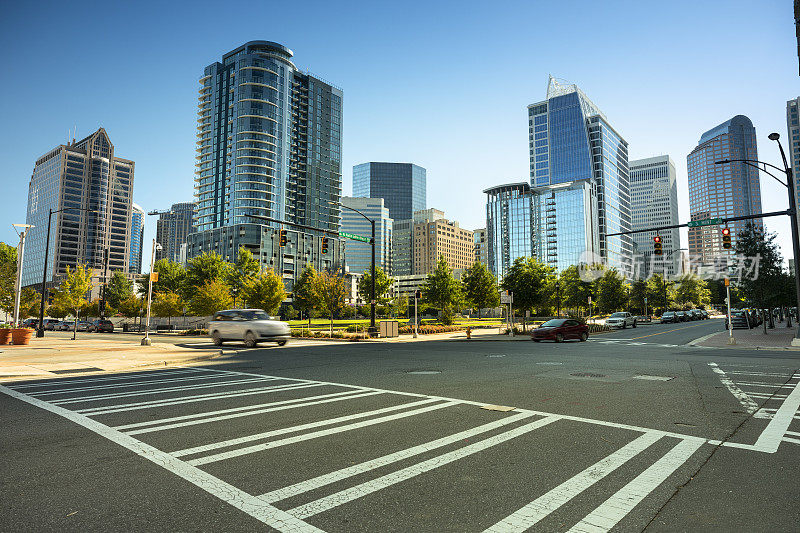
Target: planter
x=21, y=335
x=5, y=336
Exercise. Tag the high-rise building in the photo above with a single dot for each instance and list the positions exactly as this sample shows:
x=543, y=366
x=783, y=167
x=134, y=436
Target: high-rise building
x=509, y=226
x=173, y=228
x=441, y=238
x=654, y=203
x=403, y=240
x=268, y=144
x=401, y=185
x=358, y=255
x=719, y=191
x=91, y=189
x=137, y=239
x=481, y=249
x=793, y=145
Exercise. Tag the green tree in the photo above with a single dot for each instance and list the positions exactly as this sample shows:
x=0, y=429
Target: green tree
x=264, y=291
x=214, y=295
x=119, y=288
x=206, y=267
x=131, y=307
x=29, y=301
x=660, y=293
x=530, y=282
x=71, y=292
x=480, y=287
x=382, y=285
x=755, y=244
x=331, y=293
x=691, y=291
x=57, y=312
x=8, y=276
x=399, y=306
x=304, y=294
x=92, y=309
x=637, y=295
x=171, y=277
x=246, y=269
x=611, y=290
x=442, y=291
x=167, y=304
x=575, y=292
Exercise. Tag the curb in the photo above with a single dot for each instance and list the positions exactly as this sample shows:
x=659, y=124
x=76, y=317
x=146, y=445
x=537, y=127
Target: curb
x=696, y=342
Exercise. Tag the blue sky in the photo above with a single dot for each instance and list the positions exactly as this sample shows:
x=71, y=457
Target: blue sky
x=441, y=84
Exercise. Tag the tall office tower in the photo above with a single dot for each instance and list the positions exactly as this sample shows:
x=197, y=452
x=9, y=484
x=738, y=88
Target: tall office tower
x=173, y=228
x=401, y=185
x=358, y=255
x=137, y=239
x=719, y=191
x=579, y=182
x=91, y=189
x=268, y=144
x=403, y=240
x=441, y=238
x=793, y=146
x=654, y=203
x=509, y=226
x=481, y=255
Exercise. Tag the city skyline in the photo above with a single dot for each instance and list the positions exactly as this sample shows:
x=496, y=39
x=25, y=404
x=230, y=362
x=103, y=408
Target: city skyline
x=415, y=121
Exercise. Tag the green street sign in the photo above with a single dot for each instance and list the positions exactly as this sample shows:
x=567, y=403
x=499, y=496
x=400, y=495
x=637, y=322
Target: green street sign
x=353, y=236
x=706, y=222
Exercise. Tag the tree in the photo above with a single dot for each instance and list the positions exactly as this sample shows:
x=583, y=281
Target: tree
x=8, y=276
x=304, y=293
x=755, y=244
x=131, y=306
x=399, y=306
x=637, y=295
x=382, y=285
x=92, y=309
x=210, y=297
x=529, y=280
x=575, y=292
x=442, y=291
x=29, y=301
x=331, y=293
x=57, y=312
x=118, y=289
x=167, y=304
x=264, y=291
x=171, y=277
x=480, y=287
x=692, y=291
x=612, y=292
x=243, y=271
x=71, y=292
x=660, y=293
x=206, y=267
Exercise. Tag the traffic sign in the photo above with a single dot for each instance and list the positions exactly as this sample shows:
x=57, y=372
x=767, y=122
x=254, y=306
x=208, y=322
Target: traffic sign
x=706, y=222
x=353, y=237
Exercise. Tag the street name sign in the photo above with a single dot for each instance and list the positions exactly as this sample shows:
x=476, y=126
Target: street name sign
x=353, y=236
x=706, y=222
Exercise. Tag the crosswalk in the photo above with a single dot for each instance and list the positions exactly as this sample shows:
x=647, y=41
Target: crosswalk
x=245, y=438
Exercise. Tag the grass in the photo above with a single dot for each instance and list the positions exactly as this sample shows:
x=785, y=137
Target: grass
x=323, y=324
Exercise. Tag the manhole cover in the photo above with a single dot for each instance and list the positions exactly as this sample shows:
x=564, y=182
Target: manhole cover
x=424, y=372
x=588, y=375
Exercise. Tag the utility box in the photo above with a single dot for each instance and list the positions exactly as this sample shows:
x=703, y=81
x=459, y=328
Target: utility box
x=388, y=328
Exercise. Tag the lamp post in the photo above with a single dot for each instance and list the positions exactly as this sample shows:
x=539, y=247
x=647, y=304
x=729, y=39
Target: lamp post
x=372, y=329
x=792, y=211
x=146, y=340
x=18, y=282
x=40, y=327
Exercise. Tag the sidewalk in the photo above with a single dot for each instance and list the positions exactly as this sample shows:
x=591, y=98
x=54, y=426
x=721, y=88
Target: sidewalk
x=779, y=338
x=56, y=357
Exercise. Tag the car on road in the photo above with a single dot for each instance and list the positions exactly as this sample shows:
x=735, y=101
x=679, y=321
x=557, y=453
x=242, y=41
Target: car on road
x=249, y=325
x=561, y=329
x=669, y=317
x=621, y=319
x=740, y=319
x=30, y=323
x=101, y=325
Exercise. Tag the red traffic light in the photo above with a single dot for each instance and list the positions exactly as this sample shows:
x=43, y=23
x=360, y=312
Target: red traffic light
x=657, y=238
x=726, y=231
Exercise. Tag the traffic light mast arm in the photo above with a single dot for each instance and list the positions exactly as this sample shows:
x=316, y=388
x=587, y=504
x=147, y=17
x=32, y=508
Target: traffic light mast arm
x=722, y=221
x=300, y=226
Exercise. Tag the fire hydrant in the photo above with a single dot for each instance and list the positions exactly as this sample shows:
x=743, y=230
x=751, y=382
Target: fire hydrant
x=469, y=332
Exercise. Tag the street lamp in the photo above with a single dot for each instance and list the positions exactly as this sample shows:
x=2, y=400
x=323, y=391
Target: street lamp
x=792, y=211
x=18, y=282
x=40, y=328
x=372, y=329
x=146, y=340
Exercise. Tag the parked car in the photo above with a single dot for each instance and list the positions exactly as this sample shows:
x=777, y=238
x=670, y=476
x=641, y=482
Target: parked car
x=693, y=315
x=704, y=313
x=30, y=323
x=65, y=325
x=249, y=325
x=621, y=319
x=83, y=326
x=101, y=325
x=669, y=317
x=681, y=316
x=560, y=329
x=50, y=324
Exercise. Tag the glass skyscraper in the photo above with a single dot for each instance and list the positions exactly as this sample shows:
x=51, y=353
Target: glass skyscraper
x=137, y=239
x=793, y=142
x=358, y=255
x=172, y=229
x=401, y=185
x=509, y=226
x=719, y=191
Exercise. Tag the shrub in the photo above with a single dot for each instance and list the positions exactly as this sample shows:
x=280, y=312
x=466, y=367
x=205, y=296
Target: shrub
x=197, y=332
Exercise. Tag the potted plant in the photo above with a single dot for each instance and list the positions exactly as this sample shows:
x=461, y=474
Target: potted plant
x=5, y=334
x=21, y=335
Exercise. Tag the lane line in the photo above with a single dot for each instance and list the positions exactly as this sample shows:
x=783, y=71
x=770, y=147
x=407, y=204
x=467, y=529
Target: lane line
x=749, y=405
x=132, y=375
x=308, y=436
x=344, y=473
x=542, y=506
x=353, y=395
x=789, y=439
x=762, y=384
x=614, y=509
x=793, y=433
x=770, y=438
x=368, y=487
x=662, y=332
x=253, y=506
x=69, y=390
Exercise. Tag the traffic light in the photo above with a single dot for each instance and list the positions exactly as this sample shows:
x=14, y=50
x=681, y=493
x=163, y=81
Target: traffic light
x=657, y=245
x=324, y=245
x=283, y=240
x=726, y=238
x=418, y=294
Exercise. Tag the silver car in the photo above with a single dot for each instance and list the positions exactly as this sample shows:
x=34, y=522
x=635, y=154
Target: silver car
x=621, y=319
x=249, y=325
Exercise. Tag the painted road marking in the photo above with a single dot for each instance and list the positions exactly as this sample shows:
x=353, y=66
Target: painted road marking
x=770, y=438
x=667, y=331
x=542, y=506
x=307, y=436
x=120, y=385
x=132, y=375
x=654, y=378
x=738, y=393
x=368, y=487
x=614, y=509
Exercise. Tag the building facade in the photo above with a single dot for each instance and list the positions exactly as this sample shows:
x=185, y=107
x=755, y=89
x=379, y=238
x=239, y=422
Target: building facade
x=509, y=226
x=719, y=191
x=173, y=228
x=401, y=185
x=137, y=239
x=269, y=145
x=403, y=240
x=793, y=146
x=441, y=238
x=654, y=203
x=358, y=255
x=92, y=189
x=481, y=249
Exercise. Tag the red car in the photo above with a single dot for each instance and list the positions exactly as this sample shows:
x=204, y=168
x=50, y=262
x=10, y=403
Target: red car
x=560, y=329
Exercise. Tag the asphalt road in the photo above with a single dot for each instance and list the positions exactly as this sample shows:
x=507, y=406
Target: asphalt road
x=630, y=431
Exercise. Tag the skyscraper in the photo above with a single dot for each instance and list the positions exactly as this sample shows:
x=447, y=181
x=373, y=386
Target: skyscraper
x=509, y=226
x=401, y=185
x=137, y=239
x=654, y=203
x=793, y=142
x=719, y=191
x=403, y=240
x=172, y=229
x=268, y=144
x=358, y=255
x=434, y=239
x=481, y=253
x=92, y=189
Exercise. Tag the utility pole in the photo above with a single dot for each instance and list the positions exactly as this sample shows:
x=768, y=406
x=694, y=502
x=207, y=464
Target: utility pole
x=153, y=278
x=731, y=340
x=18, y=282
